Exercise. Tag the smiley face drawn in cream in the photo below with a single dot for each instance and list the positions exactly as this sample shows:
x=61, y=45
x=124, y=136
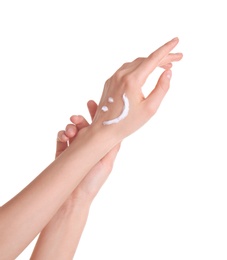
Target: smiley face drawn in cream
x=123, y=114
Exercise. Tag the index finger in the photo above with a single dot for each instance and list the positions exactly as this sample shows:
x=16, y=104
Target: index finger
x=152, y=61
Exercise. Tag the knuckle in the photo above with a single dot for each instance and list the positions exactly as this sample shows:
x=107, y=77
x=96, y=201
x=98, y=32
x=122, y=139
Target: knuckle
x=128, y=80
x=124, y=79
x=118, y=76
x=106, y=85
x=138, y=60
x=125, y=65
x=152, y=109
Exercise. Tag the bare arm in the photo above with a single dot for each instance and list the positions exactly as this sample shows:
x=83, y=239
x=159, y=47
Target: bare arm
x=60, y=238
x=23, y=217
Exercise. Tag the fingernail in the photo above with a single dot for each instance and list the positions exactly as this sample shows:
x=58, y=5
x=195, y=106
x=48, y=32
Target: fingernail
x=169, y=74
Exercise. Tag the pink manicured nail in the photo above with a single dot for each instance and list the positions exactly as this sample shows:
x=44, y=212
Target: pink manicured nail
x=169, y=74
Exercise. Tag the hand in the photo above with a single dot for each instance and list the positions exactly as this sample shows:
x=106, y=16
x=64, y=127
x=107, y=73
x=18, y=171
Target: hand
x=91, y=184
x=128, y=105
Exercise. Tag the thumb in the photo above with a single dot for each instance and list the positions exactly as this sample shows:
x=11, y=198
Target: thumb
x=92, y=107
x=154, y=99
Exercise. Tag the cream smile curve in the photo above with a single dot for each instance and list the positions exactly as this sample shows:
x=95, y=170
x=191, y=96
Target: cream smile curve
x=123, y=114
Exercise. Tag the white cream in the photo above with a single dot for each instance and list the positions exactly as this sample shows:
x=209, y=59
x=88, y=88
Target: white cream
x=123, y=114
x=104, y=108
x=110, y=100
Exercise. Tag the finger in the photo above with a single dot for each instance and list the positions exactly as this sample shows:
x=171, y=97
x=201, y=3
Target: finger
x=92, y=107
x=70, y=130
x=167, y=66
x=153, y=60
x=165, y=63
x=154, y=99
x=79, y=121
x=61, y=144
x=61, y=137
x=171, y=58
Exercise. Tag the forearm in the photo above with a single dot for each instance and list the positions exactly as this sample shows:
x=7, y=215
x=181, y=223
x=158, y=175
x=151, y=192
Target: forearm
x=60, y=238
x=22, y=218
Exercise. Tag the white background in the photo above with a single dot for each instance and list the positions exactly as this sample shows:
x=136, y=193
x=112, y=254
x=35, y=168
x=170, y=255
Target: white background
x=166, y=197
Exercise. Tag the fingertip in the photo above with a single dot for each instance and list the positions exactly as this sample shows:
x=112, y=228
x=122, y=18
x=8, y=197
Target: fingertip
x=80, y=119
x=76, y=119
x=91, y=103
x=70, y=131
x=179, y=56
x=73, y=118
x=175, y=39
x=168, y=74
x=61, y=137
x=167, y=66
x=92, y=107
x=163, y=83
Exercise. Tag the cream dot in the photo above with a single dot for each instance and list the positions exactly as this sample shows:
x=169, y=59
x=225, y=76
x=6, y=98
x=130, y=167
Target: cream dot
x=110, y=100
x=104, y=108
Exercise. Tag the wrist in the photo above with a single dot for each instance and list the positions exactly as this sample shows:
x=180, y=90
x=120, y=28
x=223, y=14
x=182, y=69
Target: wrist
x=75, y=204
x=99, y=138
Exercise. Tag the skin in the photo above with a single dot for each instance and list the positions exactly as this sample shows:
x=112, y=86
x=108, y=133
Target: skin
x=60, y=238
x=58, y=181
